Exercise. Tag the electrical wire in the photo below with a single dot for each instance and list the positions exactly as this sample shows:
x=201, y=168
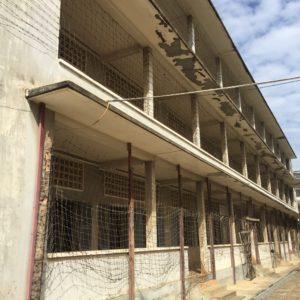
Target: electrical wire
x=268, y=84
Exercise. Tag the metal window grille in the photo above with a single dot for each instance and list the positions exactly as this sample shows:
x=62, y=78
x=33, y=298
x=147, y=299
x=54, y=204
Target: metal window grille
x=116, y=185
x=68, y=173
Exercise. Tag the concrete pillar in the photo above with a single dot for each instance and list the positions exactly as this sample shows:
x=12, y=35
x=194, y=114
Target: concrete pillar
x=95, y=227
x=150, y=198
x=257, y=170
x=288, y=164
x=276, y=185
x=263, y=131
x=191, y=33
x=224, y=143
x=287, y=195
x=271, y=143
x=263, y=223
x=148, y=81
x=244, y=159
x=283, y=191
x=239, y=99
x=275, y=234
x=219, y=72
x=195, y=121
x=252, y=117
x=43, y=204
x=269, y=186
x=231, y=213
x=201, y=225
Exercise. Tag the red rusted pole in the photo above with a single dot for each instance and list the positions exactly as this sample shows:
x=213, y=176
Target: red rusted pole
x=181, y=235
x=211, y=230
x=131, y=277
x=230, y=221
x=36, y=199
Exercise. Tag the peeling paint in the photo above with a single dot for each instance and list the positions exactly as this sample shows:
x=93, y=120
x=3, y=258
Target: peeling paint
x=227, y=109
x=162, y=22
x=188, y=68
x=237, y=124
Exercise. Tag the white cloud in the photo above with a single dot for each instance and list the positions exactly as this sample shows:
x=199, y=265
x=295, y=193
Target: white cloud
x=267, y=33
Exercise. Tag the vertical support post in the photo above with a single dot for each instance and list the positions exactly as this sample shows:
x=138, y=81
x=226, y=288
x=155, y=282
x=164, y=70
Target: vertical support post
x=239, y=99
x=211, y=230
x=270, y=231
x=231, y=226
x=263, y=223
x=269, y=186
x=257, y=170
x=191, y=33
x=283, y=235
x=131, y=275
x=224, y=143
x=181, y=235
x=38, y=242
x=283, y=191
x=201, y=225
x=289, y=239
x=219, y=72
x=252, y=117
x=195, y=121
x=148, y=81
x=271, y=143
x=276, y=185
x=254, y=239
x=95, y=228
x=244, y=159
x=275, y=235
x=150, y=195
x=263, y=131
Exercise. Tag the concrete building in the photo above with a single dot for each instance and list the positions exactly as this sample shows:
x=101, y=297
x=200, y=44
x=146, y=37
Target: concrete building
x=297, y=186
x=103, y=198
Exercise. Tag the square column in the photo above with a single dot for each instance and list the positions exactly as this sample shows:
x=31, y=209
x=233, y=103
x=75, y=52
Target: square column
x=148, y=81
x=224, y=143
x=201, y=225
x=257, y=170
x=269, y=186
x=263, y=223
x=239, y=99
x=263, y=131
x=276, y=185
x=219, y=77
x=195, y=121
x=150, y=193
x=252, y=117
x=191, y=33
x=244, y=159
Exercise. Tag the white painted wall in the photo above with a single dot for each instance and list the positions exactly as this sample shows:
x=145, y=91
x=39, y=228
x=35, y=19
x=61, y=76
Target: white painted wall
x=105, y=276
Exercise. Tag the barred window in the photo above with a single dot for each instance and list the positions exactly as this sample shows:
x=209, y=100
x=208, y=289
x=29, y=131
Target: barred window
x=67, y=173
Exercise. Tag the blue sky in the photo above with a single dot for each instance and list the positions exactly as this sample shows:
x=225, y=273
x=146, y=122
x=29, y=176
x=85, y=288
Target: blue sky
x=267, y=34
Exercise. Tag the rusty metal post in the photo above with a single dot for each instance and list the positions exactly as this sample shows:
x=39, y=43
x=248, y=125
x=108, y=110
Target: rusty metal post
x=131, y=277
x=181, y=235
x=230, y=220
x=211, y=230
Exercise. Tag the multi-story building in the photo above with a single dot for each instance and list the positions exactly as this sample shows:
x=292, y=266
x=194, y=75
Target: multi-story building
x=126, y=169
x=297, y=186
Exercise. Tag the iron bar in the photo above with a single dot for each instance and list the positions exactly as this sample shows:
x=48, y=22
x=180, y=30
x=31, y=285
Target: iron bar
x=231, y=224
x=211, y=230
x=131, y=277
x=181, y=235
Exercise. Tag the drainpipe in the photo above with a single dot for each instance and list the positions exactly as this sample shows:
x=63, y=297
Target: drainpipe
x=36, y=199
